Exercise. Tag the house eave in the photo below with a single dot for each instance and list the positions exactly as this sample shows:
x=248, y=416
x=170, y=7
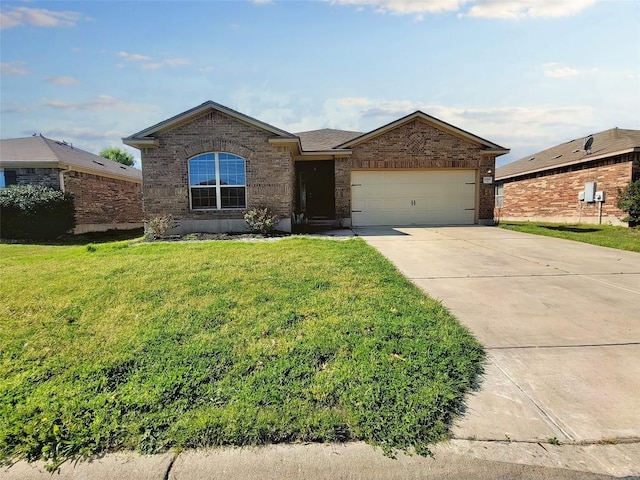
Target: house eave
x=209, y=105
x=29, y=164
x=573, y=162
x=451, y=129
x=140, y=142
x=53, y=164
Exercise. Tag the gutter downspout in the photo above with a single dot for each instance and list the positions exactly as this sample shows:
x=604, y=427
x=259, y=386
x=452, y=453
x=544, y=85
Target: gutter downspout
x=61, y=176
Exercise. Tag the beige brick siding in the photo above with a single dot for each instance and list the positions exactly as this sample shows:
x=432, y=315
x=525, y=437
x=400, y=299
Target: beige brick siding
x=554, y=195
x=269, y=168
x=415, y=145
x=101, y=200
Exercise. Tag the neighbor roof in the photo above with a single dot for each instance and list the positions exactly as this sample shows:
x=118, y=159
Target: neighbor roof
x=615, y=141
x=145, y=138
x=325, y=139
x=42, y=152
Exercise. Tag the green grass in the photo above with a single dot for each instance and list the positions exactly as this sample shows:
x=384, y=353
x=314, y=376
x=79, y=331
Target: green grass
x=622, y=238
x=151, y=346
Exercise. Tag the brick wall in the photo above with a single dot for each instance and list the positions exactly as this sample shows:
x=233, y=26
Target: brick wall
x=47, y=177
x=554, y=196
x=104, y=201
x=269, y=168
x=411, y=146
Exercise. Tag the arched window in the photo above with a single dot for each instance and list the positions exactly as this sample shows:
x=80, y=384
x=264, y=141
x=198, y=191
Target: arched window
x=217, y=181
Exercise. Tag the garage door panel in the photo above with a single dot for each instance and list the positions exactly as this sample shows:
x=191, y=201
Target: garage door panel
x=413, y=197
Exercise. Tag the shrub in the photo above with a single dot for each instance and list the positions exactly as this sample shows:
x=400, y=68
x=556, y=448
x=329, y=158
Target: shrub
x=157, y=227
x=261, y=220
x=35, y=212
x=629, y=202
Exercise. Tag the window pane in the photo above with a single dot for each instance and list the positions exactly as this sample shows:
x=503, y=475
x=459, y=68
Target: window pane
x=233, y=197
x=203, y=198
x=202, y=170
x=231, y=169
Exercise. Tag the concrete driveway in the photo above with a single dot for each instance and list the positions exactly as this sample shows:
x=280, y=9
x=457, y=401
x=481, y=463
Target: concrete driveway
x=560, y=321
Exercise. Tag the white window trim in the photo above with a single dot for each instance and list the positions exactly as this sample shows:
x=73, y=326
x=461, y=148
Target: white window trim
x=217, y=186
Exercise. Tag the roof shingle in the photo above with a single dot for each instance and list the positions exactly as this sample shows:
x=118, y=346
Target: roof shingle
x=604, y=144
x=38, y=149
x=325, y=139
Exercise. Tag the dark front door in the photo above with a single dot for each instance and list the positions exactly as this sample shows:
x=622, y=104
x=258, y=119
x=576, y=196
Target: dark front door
x=316, y=189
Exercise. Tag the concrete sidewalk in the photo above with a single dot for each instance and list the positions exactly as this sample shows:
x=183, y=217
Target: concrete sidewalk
x=459, y=459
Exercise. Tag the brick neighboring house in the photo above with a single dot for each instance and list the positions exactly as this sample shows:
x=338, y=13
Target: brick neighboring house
x=206, y=166
x=546, y=186
x=107, y=195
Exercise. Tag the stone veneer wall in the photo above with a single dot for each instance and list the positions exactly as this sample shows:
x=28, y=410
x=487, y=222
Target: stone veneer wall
x=104, y=202
x=553, y=195
x=416, y=145
x=269, y=168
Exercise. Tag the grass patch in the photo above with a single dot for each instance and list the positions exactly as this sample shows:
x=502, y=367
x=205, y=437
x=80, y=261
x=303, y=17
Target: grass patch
x=622, y=238
x=151, y=346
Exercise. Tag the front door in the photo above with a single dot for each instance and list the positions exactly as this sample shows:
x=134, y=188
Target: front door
x=316, y=189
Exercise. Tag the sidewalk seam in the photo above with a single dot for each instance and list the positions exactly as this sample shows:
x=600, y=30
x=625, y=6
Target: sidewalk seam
x=170, y=466
x=540, y=409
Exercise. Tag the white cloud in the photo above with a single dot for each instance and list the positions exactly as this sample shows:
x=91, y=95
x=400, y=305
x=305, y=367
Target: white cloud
x=17, y=16
x=517, y=9
x=13, y=107
x=507, y=9
x=407, y=7
x=136, y=57
x=169, y=62
x=9, y=69
x=65, y=81
x=100, y=103
x=561, y=72
x=261, y=2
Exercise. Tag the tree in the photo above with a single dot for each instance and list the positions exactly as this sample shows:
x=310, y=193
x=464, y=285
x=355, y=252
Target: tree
x=117, y=155
x=629, y=202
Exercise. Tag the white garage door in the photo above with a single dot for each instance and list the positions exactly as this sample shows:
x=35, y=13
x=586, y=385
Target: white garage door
x=420, y=197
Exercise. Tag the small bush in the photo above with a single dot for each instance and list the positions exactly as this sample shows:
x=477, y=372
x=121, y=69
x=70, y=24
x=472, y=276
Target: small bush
x=261, y=220
x=35, y=212
x=158, y=226
x=629, y=202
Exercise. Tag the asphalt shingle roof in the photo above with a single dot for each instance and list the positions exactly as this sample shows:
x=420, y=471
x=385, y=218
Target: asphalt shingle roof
x=604, y=144
x=325, y=139
x=31, y=150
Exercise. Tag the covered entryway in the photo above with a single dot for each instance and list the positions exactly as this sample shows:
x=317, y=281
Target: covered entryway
x=413, y=197
x=316, y=189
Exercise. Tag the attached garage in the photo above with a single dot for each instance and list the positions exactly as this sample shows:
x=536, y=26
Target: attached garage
x=413, y=197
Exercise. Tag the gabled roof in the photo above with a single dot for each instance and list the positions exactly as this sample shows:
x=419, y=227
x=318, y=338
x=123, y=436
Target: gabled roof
x=42, y=152
x=615, y=141
x=325, y=139
x=145, y=138
x=490, y=147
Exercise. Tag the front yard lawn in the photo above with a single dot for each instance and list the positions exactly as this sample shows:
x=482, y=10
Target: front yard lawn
x=150, y=346
x=622, y=238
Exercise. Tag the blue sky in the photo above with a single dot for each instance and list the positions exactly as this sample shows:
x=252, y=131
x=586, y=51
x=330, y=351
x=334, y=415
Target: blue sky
x=526, y=74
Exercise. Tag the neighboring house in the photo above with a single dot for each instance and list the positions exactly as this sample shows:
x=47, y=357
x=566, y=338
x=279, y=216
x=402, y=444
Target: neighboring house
x=107, y=195
x=206, y=166
x=547, y=185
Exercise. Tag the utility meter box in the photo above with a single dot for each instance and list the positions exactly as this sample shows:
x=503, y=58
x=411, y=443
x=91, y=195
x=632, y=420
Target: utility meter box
x=599, y=196
x=589, y=192
x=581, y=196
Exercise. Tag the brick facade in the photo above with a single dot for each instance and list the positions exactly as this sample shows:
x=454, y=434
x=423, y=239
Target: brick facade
x=46, y=177
x=103, y=202
x=553, y=195
x=269, y=168
x=416, y=145
x=100, y=203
